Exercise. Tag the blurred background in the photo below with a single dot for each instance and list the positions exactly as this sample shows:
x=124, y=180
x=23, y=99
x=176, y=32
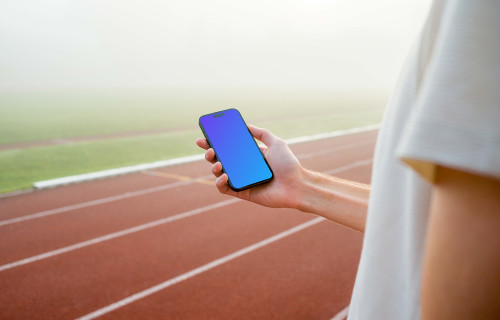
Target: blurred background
x=92, y=85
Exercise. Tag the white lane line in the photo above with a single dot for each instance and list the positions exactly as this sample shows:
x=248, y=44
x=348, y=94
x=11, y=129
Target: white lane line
x=197, y=271
x=350, y=166
x=342, y=314
x=99, y=201
x=146, y=166
x=114, y=172
x=328, y=151
x=333, y=134
x=117, y=234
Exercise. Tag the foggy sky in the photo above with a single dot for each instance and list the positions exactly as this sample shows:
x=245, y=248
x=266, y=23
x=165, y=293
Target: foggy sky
x=133, y=43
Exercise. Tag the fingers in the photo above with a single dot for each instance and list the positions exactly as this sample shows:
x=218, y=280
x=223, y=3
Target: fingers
x=221, y=183
x=263, y=135
x=217, y=169
x=223, y=186
x=210, y=155
x=202, y=143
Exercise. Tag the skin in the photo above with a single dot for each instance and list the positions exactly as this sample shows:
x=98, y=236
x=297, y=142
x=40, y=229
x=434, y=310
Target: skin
x=461, y=272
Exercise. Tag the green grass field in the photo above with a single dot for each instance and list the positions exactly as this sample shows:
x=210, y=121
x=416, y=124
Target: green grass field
x=173, y=113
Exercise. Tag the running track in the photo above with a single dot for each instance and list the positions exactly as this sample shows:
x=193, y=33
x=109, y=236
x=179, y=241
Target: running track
x=164, y=244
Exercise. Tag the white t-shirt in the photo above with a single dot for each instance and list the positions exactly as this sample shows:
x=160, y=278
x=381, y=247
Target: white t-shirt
x=446, y=111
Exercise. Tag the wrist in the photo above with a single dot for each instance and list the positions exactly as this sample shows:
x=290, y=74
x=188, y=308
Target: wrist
x=303, y=189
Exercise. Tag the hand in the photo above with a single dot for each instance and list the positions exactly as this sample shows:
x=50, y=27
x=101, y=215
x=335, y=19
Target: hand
x=281, y=191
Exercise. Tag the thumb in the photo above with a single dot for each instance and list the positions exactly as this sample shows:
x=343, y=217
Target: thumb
x=263, y=135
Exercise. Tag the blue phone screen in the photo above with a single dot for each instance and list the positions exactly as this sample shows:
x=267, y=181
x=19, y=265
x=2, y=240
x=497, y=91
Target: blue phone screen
x=235, y=148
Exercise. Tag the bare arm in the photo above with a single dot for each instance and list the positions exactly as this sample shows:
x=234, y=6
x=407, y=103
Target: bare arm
x=461, y=273
x=342, y=201
x=336, y=199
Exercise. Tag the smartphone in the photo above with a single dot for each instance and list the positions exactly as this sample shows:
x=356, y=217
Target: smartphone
x=236, y=149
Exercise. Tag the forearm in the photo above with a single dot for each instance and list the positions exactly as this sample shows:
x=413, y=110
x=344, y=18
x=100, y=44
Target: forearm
x=339, y=200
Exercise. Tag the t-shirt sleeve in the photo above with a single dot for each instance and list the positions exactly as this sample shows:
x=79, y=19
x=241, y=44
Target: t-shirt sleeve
x=456, y=118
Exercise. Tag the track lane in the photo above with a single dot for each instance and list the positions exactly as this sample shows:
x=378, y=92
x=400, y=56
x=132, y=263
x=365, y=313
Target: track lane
x=57, y=231
x=41, y=200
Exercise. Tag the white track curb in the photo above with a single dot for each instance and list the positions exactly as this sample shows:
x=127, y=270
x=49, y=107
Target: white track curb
x=165, y=163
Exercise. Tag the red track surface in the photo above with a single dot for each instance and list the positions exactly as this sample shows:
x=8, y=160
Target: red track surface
x=64, y=255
